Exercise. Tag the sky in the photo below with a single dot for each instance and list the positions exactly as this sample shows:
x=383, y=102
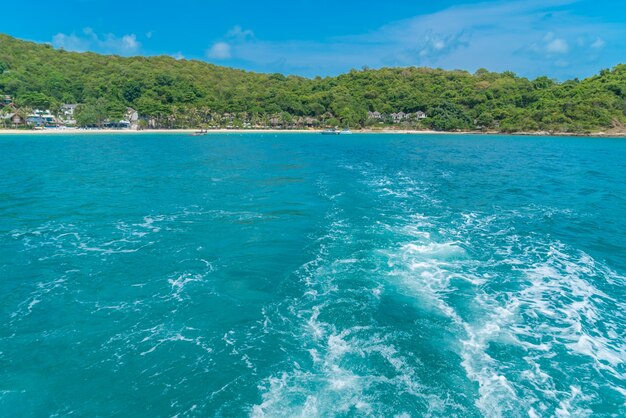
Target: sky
x=562, y=39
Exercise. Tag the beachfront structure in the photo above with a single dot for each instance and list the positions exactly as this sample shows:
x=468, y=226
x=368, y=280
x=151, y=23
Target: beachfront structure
x=130, y=121
x=67, y=114
x=132, y=116
x=420, y=115
x=122, y=124
x=12, y=119
x=42, y=118
x=310, y=122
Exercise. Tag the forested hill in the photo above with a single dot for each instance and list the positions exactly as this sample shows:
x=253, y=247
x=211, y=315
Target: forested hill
x=183, y=93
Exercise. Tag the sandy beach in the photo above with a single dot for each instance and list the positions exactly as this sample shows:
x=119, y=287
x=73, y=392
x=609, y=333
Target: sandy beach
x=145, y=131
x=192, y=131
x=611, y=134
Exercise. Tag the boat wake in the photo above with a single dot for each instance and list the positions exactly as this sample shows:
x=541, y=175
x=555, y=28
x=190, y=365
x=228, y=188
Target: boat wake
x=523, y=324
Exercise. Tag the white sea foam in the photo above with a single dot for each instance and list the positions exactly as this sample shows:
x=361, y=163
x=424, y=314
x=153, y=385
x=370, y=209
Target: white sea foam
x=66, y=239
x=569, y=309
x=520, y=306
x=42, y=289
x=332, y=386
x=164, y=337
x=427, y=270
x=178, y=284
x=558, y=296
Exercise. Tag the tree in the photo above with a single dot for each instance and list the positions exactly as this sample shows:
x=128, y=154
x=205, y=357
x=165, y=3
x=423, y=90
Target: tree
x=448, y=116
x=131, y=91
x=167, y=92
x=23, y=112
x=91, y=114
x=36, y=100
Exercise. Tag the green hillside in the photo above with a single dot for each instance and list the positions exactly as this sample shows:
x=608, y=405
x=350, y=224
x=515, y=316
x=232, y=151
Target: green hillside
x=189, y=93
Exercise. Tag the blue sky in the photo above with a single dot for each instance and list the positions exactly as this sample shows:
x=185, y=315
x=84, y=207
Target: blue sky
x=559, y=38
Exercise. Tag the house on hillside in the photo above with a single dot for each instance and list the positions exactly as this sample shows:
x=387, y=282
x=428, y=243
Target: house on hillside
x=374, y=115
x=399, y=117
x=6, y=101
x=67, y=110
x=420, y=115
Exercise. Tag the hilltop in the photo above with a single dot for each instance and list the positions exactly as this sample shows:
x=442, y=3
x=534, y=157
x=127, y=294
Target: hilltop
x=173, y=93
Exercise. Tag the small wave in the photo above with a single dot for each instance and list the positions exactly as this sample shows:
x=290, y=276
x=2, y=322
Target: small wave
x=26, y=307
x=179, y=283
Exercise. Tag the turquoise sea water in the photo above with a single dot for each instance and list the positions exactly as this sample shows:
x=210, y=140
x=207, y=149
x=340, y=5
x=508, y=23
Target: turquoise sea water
x=304, y=275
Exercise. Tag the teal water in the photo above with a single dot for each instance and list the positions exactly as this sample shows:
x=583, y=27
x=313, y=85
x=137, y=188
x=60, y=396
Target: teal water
x=304, y=275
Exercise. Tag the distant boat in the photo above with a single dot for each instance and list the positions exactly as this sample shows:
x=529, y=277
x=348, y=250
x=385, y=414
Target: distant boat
x=345, y=132
x=330, y=132
x=201, y=132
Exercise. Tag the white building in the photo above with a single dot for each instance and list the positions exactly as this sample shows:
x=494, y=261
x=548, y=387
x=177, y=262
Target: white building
x=42, y=118
x=132, y=116
x=398, y=117
x=67, y=114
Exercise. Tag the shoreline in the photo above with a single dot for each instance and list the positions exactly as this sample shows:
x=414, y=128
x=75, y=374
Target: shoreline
x=301, y=131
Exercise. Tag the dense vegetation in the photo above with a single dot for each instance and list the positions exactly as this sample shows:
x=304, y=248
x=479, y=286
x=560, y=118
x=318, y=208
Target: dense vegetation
x=183, y=93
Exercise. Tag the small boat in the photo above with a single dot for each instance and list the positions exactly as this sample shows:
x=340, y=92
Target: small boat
x=201, y=132
x=345, y=132
x=330, y=132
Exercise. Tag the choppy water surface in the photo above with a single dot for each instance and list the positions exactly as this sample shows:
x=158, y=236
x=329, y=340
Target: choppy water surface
x=302, y=275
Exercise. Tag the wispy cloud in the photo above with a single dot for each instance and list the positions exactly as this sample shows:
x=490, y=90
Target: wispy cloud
x=219, y=51
x=222, y=50
x=531, y=37
x=551, y=45
x=88, y=40
x=598, y=43
x=179, y=56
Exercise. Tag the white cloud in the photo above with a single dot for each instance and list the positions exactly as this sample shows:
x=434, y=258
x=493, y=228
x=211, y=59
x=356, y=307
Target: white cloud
x=239, y=34
x=70, y=42
x=91, y=41
x=220, y=51
x=128, y=42
x=557, y=46
x=433, y=45
x=530, y=37
x=498, y=35
x=598, y=43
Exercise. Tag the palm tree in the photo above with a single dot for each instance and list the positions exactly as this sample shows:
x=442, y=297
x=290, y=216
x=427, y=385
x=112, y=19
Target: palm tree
x=4, y=112
x=23, y=113
x=174, y=115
